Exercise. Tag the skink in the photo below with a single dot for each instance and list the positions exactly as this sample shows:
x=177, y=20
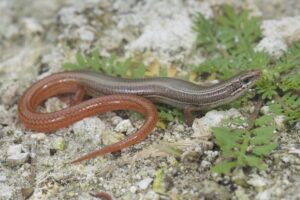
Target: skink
x=175, y=92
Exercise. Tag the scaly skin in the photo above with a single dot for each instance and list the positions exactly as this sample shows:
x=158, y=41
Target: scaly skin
x=121, y=96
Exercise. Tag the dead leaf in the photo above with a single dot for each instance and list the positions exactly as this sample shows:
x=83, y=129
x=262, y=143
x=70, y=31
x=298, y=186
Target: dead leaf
x=26, y=192
x=154, y=68
x=172, y=70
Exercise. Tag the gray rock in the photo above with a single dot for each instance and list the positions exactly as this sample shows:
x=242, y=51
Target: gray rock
x=278, y=34
x=14, y=149
x=6, y=191
x=17, y=159
x=16, y=155
x=143, y=184
x=124, y=126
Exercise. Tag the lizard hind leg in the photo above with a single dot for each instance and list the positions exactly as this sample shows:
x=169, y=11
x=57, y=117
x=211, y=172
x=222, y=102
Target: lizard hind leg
x=188, y=114
x=74, y=98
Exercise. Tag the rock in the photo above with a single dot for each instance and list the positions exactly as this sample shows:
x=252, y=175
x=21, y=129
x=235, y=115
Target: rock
x=211, y=155
x=16, y=155
x=257, y=181
x=133, y=189
x=295, y=151
x=17, y=158
x=205, y=164
x=4, y=115
x=214, y=118
x=9, y=93
x=201, y=130
x=6, y=191
x=92, y=126
x=214, y=190
x=169, y=35
x=273, y=46
x=297, y=126
x=165, y=27
x=124, y=126
x=143, y=184
x=38, y=136
x=179, y=128
x=116, y=120
x=70, y=16
x=279, y=122
x=278, y=34
x=285, y=159
x=265, y=195
x=109, y=137
x=27, y=58
x=14, y=149
x=2, y=178
x=241, y=194
x=85, y=34
x=18, y=135
x=265, y=110
x=151, y=195
x=31, y=26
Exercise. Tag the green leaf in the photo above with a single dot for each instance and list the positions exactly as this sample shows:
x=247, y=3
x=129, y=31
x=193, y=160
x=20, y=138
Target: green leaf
x=264, y=120
x=95, y=64
x=228, y=139
x=254, y=161
x=138, y=72
x=71, y=66
x=159, y=181
x=264, y=150
x=226, y=136
x=224, y=167
x=89, y=61
x=163, y=72
x=262, y=135
x=81, y=60
x=165, y=116
x=275, y=108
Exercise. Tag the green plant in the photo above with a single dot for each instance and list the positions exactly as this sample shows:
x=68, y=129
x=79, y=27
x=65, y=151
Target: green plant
x=229, y=39
x=242, y=147
x=231, y=33
x=280, y=85
x=110, y=65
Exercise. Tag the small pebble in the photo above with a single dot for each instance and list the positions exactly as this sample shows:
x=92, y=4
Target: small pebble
x=124, y=126
x=32, y=26
x=85, y=34
x=133, y=189
x=257, y=181
x=214, y=118
x=6, y=191
x=2, y=178
x=15, y=155
x=17, y=158
x=151, y=195
x=279, y=121
x=143, y=184
x=116, y=120
x=285, y=159
x=38, y=136
x=91, y=125
x=205, y=164
x=201, y=130
x=14, y=149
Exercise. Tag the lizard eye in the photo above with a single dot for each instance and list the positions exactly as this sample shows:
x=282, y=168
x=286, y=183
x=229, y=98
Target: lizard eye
x=246, y=81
